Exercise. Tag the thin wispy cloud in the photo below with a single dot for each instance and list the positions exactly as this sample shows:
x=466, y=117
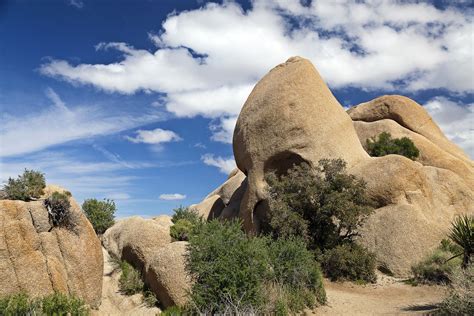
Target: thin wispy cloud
x=155, y=137
x=172, y=197
x=58, y=124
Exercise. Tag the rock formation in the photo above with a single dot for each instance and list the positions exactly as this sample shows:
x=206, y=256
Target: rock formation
x=147, y=245
x=39, y=259
x=292, y=117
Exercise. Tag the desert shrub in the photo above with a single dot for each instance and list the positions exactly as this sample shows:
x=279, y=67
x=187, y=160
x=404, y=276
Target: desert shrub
x=386, y=145
x=59, y=208
x=100, y=213
x=349, y=262
x=460, y=300
x=185, y=213
x=437, y=268
x=149, y=298
x=181, y=229
x=54, y=304
x=61, y=304
x=28, y=186
x=324, y=205
x=462, y=234
x=173, y=311
x=234, y=273
x=130, y=281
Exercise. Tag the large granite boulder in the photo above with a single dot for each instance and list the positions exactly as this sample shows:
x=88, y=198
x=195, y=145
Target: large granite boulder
x=39, y=259
x=292, y=117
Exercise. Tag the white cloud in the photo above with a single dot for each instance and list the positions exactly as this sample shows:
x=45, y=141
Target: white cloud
x=118, y=196
x=156, y=136
x=59, y=124
x=371, y=45
x=77, y=3
x=224, y=131
x=172, y=197
x=225, y=165
x=455, y=120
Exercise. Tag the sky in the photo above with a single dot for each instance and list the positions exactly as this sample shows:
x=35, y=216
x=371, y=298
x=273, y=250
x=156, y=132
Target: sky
x=136, y=101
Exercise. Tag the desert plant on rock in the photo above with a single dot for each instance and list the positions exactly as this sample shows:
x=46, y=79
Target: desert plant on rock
x=130, y=281
x=349, y=262
x=460, y=299
x=186, y=213
x=54, y=304
x=386, y=145
x=181, y=230
x=59, y=208
x=324, y=205
x=28, y=186
x=100, y=213
x=462, y=233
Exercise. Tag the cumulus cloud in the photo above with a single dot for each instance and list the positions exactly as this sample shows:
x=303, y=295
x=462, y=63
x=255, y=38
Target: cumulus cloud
x=208, y=59
x=456, y=120
x=172, y=197
x=225, y=165
x=156, y=136
x=58, y=124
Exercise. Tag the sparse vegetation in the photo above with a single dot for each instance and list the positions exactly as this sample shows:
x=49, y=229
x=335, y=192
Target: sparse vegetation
x=100, y=213
x=349, y=262
x=234, y=272
x=59, y=209
x=460, y=300
x=28, y=186
x=184, y=220
x=462, y=234
x=437, y=268
x=55, y=304
x=386, y=145
x=130, y=281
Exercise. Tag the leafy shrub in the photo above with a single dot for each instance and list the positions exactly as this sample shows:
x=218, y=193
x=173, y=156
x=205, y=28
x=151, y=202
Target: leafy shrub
x=385, y=145
x=437, y=268
x=130, y=281
x=100, y=213
x=324, y=205
x=462, y=234
x=149, y=298
x=460, y=300
x=181, y=229
x=173, y=311
x=58, y=206
x=349, y=262
x=234, y=273
x=28, y=186
x=185, y=213
x=54, y=304
x=61, y=304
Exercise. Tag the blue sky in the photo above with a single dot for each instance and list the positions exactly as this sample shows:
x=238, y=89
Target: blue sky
x=137, y=100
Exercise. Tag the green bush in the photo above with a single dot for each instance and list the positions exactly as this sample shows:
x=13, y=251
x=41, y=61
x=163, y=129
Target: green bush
x=233, y=273
x=28, y=186
x=130, y=281
x=149, y=298
x=181, y=229
x=173, y=311
x=324, y=205
x=59, y=208
x=385, y=145
x=462, y=234
x=436, y=269
x=185, y=213
x=100, y=213
x=55, y=304
x=349, y=262
x=460, y=300
x=61, y=304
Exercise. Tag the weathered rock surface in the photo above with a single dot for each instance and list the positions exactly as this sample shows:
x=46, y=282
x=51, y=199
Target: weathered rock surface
x=39, y=259
x=166, y=275
x=136, y=239
x=292, y=117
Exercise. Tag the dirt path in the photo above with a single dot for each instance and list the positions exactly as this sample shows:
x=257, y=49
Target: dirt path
x=115, y=303
x=388, y=297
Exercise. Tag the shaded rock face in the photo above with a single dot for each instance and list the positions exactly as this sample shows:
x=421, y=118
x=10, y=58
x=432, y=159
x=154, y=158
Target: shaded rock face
x=147, y=245
x=292, y=117
x=39, y=259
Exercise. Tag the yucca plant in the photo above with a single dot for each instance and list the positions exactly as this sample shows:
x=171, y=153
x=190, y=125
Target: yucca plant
x=462, y=233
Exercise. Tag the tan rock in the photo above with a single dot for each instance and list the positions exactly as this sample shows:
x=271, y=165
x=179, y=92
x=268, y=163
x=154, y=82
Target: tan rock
x=166, y=275
x=291, y=116
x=40, y=259
x=136, y=240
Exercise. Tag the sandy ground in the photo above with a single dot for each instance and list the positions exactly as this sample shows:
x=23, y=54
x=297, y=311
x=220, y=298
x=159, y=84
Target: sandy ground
x=115, y=303
x=388, y=297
